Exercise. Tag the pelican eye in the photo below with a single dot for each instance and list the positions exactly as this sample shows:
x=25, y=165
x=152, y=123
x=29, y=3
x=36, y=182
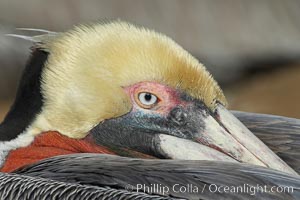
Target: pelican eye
x=147, y=100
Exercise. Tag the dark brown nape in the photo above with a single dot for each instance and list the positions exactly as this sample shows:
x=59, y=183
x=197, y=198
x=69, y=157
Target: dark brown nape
x=28, y=101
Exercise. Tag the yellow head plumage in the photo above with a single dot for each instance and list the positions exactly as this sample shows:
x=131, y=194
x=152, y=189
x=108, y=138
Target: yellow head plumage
x=83, y=79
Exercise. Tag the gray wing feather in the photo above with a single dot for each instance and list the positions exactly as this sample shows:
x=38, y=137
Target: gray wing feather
x=15, y=187
x=118, y=172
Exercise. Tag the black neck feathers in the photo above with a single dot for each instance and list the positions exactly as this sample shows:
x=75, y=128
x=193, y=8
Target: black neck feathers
x=28, y=101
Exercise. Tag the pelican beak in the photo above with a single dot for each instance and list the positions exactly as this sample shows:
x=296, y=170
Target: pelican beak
x=220, y=136
x=189, y=131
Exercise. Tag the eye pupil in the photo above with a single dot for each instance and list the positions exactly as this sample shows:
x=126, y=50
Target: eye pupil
x=148, y=97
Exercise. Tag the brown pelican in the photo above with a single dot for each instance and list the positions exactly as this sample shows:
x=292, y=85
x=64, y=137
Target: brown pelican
x=118, y=89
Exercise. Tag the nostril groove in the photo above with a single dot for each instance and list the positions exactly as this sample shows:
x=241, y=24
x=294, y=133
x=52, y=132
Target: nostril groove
x=178, y=115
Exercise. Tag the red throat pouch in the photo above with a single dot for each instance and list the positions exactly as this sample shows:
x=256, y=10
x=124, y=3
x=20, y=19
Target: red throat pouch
x=47, y=145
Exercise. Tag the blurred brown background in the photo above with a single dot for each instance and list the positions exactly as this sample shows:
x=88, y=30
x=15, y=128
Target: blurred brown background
x=251, y=47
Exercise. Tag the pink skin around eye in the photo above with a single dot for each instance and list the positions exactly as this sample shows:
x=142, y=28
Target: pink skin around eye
x=168, y=98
